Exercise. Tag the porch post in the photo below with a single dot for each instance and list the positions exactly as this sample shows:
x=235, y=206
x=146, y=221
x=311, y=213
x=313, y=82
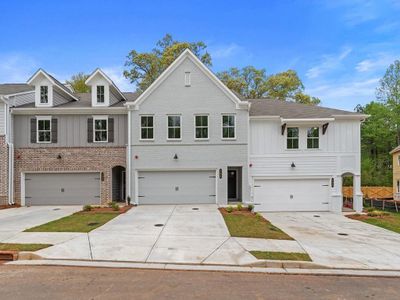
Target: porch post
x=357, y=194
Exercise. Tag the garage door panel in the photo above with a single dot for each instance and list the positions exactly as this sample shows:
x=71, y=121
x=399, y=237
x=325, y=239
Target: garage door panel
x=292, y=195
x=62, y=188
x=176, y=187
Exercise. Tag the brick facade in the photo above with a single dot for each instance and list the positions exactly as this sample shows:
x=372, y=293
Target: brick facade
x=91, y=159
x=3, y=171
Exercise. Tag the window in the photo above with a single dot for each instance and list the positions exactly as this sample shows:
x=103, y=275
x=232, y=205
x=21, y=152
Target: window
x=228, y=127
x=313, y=138
x=292, y=141
x=174, y=127
x=398, y=160
x=201, y=127
x=146, y=128
x=398, y=186
x=44, y=94
x=187, y=78
x=100, y=94
x=43, y=130
x=100, y=130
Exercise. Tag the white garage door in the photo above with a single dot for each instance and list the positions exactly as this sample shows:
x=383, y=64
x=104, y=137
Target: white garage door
x=176, y=187
x=291, y=195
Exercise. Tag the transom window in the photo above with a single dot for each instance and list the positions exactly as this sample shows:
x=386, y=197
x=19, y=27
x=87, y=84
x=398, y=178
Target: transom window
x=147, y=127
x=44, y=94
x=201, y=127
x=100, y=130
x=174, y=127
x=292, y=141
x=313, y=138
x=100, y=94
x=228, y=127
x=44, y=130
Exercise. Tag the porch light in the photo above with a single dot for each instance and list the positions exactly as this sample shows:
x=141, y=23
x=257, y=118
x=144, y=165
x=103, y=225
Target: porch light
x=293, y=165
x=176, y=156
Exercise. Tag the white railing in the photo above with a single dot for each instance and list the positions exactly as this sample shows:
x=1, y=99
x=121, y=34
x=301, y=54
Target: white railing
x=396, y=196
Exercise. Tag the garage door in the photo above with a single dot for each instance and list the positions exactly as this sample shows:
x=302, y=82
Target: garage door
x=176, y=187
x=62, y=188
x=292, y=195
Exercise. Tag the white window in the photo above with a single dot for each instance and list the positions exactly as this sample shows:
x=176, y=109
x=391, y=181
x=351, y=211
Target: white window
x=201, y=127
x=100, y=129
x=292, y=139
x=313, y=138
x=44, y=94
x=174, y=127
x=228, y=127
x=146, y=127
x=43, y=129
x=100, y=94
x=187, y=79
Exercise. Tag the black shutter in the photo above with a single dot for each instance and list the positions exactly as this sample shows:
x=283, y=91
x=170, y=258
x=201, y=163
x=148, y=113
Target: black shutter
x=33, y=130
x=90, y=130
x=111, y=130
x=54, y=130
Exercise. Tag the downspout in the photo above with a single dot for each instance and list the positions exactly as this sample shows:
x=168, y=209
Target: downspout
x=10, y=148
x=129, y=156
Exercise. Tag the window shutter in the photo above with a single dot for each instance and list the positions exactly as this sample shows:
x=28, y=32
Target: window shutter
x=111, y=130
x=54, y=130
x=90, y=130
x=33, y=130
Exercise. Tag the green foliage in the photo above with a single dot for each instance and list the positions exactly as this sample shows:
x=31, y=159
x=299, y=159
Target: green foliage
x=377, y=213
x=239, y=207
x=250, y=207
x=114, y=206
x=229, y=209
x=284, y=85
x=78, y=83
x=143, y=68
x=87, y=207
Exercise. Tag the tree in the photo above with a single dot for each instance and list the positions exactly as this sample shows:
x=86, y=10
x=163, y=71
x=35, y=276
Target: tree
x=306, y=99
x=284, y=85
x=77, y=82
x=143, y=68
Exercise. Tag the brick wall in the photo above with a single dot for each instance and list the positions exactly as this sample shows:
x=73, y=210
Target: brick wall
x=72, y=159
x=3, y=171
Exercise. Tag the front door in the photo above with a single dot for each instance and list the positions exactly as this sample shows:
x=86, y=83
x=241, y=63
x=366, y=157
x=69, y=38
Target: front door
x=232, y=185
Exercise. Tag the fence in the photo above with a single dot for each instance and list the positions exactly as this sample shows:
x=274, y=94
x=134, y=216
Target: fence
x=373, y=192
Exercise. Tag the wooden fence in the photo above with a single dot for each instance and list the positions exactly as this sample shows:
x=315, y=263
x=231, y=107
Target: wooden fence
x=374, y=192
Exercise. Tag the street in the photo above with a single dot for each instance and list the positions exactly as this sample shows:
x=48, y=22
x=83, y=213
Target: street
x=43, y=282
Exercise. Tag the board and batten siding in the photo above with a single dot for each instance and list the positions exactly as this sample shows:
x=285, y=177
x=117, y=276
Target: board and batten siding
x=2, y=118
x=72, y=131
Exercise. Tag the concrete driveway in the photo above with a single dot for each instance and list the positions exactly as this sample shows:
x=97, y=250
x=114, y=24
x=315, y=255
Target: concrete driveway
x=321, y=235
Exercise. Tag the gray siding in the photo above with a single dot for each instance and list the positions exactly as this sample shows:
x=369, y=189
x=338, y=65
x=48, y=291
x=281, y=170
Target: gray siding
x=58, y=98
x=114, y=96
x=19, y=100
x=2, y=118
x=72, y=131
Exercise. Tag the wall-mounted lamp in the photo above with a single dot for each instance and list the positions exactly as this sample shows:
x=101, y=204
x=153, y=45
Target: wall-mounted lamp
x=176, y=156
x=59, y=156
x=293, y=165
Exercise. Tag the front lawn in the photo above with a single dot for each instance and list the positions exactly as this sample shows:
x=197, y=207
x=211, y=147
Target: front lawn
x=247, y=224
x=22, y=247
x=387, y=220
x=281, y=255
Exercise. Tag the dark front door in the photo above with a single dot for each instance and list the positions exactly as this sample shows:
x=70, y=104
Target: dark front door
x=232, y=185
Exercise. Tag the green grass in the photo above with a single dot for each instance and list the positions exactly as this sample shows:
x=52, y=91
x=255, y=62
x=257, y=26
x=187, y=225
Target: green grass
x=78, y=222
x=252, y=226
x=281, y=255
x=22, y=247
x=390, y=222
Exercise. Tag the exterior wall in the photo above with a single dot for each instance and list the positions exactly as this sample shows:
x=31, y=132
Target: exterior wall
x=3, y=171
x=73, y=160
x=396, y=173
x=21, y=99
x=99, y=80
x=339, y=153
x=202, y=97
x=72, y=132
x=114, y=97
x=59, y=98
x=2, y=118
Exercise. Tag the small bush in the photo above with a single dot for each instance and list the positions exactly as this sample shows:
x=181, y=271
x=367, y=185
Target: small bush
x=250, y=207
x=370, y=209
x=259, y=216
x=377, y=213
x=87, y=207
x=239, y=207
x=115, y=206
x=229, y=209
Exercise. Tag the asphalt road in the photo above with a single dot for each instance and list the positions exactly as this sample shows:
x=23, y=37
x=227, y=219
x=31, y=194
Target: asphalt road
x=40, y=282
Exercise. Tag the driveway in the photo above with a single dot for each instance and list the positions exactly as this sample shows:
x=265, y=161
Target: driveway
x=321, y=235
x=158, y=234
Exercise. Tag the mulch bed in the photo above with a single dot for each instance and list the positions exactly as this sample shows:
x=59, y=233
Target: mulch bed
x=9, y=206
x=122, y=209
x=243, y=212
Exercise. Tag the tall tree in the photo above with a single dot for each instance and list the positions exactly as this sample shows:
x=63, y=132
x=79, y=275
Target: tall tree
x=143, y=68
x=77, y=82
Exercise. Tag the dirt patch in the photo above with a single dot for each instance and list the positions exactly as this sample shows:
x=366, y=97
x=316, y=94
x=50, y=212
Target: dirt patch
x=94, y=210
x=359, y=217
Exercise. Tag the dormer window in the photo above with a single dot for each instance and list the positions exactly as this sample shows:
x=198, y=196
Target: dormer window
x=44, y=94
x=100, y=94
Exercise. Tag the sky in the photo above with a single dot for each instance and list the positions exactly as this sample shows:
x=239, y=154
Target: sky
x=340, y=48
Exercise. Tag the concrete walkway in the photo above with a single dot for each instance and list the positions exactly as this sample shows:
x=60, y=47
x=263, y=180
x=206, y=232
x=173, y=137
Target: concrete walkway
x=336, y=241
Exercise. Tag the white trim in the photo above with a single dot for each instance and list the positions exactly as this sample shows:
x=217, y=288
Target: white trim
x=99, y=71
x=70, y=110
x=140, y=126
x=286, y=139
x=20, y=93
x=180, y=127
x=42, y=118
x=313, y=138
x=97, y=95
x=222, y=127
x=208, y=127
x=99, y=118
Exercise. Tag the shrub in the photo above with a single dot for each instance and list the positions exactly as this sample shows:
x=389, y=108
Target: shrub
x=129, y=200
x=239, y=207
x=370, y=209
x=87, y=207
x=259, y=216
x=250, y=207
x=229, y=209
x=377, y=213
x=115, y=206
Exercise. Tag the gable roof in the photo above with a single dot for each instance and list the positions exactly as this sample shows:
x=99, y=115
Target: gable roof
x=293, y=110
x=54, y=81
x=164, y=75
x=15, y=88
x=395, y=150
x=108, y=79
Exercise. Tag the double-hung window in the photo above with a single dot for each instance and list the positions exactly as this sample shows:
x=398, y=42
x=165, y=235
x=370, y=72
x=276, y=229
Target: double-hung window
x=174, y=127
x=292, y=139
x=313, y=138
x=100, y=93
x=44, y=94
x=43, y=129
x=228, y=127
x=100, y=129
x=201, y=127
x=146, y=127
